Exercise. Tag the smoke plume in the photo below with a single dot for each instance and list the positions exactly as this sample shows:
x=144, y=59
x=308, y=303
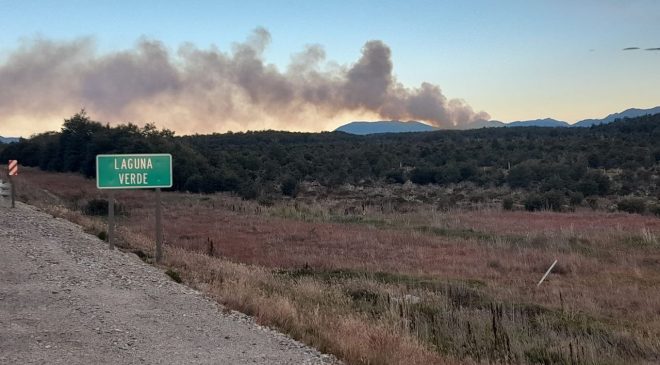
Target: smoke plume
x=205, y=90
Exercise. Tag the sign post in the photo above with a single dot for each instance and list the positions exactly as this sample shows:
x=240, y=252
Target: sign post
x=159, y=227
x=111, y=219
x=13, y=171
x=138, y=171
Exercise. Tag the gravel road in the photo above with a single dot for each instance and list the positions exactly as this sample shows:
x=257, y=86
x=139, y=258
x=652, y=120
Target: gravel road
x=66, y=299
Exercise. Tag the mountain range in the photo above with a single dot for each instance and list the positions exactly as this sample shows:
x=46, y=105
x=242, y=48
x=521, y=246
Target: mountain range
x=8, y=139
x=363, y=128
x=389, y=126
x=628, y=113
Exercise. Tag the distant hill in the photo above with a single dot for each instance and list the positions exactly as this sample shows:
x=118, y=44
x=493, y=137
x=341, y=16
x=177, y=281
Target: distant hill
x=8, y=139
x=547, y=122
x=628, y=113
x=363, y=128
x=483, y=124
x=390, y=126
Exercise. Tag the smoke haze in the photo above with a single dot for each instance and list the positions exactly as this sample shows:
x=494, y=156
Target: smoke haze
x=207, y=90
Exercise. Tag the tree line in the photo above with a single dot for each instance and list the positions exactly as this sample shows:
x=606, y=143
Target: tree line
x=620, y=158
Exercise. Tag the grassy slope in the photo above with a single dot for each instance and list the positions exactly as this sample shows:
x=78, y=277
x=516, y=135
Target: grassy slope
x=402, y=288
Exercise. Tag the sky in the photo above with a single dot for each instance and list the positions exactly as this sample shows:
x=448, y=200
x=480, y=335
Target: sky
x=215, y=66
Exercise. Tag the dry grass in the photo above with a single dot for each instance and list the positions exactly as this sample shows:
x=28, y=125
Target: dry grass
x=377, y=286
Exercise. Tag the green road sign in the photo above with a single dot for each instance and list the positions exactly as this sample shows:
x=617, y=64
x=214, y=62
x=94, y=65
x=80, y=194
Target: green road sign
x=140, y=171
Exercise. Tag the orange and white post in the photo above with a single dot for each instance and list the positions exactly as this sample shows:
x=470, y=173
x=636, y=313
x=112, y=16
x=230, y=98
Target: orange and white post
x=12, y=168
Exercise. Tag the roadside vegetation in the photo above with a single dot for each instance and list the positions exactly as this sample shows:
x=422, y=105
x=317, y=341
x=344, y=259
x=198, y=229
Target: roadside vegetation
x=391, y=276
x=417, y=248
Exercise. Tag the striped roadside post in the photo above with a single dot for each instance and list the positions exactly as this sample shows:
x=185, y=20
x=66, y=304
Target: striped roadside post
x=13, y=171
x=13, y=167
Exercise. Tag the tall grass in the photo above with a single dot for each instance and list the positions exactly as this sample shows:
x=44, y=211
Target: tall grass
x=426, y=286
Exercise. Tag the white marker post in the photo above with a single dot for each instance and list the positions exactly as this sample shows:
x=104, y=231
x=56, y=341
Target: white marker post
x=546, y=273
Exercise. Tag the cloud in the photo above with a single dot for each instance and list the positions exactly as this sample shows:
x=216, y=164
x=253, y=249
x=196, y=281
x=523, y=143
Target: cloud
x=205, y=90
x=646, y=49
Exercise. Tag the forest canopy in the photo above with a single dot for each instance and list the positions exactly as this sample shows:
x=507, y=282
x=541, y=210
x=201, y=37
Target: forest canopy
x=620, y=158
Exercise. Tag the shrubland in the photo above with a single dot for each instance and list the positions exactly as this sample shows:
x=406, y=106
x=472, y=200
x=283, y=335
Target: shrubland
x=559, y=169
x=390, y=276
x=396, y=249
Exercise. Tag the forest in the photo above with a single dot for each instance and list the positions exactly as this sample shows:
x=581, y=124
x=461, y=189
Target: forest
x=554, y=167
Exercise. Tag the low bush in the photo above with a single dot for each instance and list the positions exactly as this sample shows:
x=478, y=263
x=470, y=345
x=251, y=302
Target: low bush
x=592, y=202
x=632, y=205
x=575, y=198
x=174, y=275
x=655, y=210
x=96, y=207
x=554, y=199
x=99, y=207
x=507, y=203
x=534, y=202
x=289, y=187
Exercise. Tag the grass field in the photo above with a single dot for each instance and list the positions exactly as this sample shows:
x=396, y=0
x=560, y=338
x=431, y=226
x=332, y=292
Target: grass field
x=375, y=286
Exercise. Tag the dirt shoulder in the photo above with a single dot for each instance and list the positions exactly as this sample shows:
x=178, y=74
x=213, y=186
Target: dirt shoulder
x=66, y=299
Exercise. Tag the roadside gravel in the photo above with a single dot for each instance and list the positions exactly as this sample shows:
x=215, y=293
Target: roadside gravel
x=66, y=299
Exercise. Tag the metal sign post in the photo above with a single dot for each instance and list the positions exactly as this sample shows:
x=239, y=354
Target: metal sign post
x=159, y=228
x=111, y=219
x=138, y=171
